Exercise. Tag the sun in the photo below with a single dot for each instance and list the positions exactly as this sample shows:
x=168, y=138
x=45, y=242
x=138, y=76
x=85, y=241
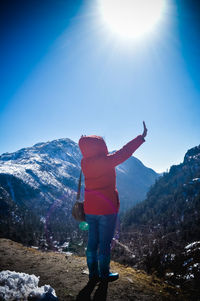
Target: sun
x=131, y=18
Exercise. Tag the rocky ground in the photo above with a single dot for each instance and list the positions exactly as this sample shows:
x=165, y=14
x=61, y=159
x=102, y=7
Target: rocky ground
x=68, y=274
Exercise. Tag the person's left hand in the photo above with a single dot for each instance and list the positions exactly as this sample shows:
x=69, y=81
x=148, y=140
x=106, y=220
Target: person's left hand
x=145, y=130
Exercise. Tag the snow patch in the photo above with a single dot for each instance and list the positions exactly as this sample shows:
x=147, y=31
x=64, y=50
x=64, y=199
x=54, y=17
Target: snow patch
x=196, y=180
x=193, y=244
x=20, y=286
x=65, y=244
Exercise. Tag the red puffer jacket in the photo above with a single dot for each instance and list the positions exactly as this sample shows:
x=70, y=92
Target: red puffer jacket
x=101, y=195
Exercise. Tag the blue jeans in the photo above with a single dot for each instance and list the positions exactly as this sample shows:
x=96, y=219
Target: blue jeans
x=101, y=232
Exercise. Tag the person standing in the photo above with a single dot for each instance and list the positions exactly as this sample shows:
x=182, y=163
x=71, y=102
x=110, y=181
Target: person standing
x=101, y=206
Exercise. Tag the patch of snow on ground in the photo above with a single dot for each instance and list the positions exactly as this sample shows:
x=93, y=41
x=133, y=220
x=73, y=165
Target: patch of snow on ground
x=65, y=244
x=189, y=276
x=68, y=254
x=192, y=244
x=196, y=180
x=20, y=286
x=43, y=219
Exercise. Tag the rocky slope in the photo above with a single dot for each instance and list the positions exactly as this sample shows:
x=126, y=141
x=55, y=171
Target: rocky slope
x=162, y=232
x=68, y=274
x=173, y=202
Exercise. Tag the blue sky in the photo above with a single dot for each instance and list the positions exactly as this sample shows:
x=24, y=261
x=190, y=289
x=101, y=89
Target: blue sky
x=65, y=74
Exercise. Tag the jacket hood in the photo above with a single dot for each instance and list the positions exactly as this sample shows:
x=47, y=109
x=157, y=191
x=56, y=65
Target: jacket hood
x=92, y=146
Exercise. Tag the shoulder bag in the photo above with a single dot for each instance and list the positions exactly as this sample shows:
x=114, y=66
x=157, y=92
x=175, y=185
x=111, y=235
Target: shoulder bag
x=78, y=209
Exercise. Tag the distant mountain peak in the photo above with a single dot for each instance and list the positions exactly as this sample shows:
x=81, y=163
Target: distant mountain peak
x=193, y=154
x=62, y=141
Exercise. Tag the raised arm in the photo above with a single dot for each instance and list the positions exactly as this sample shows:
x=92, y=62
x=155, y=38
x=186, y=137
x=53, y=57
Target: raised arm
x=124, y=153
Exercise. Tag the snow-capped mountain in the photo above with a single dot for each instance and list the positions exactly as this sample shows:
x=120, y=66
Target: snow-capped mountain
x=55, y=166
x=43, y=180
x=38, y=190
x=50, y=165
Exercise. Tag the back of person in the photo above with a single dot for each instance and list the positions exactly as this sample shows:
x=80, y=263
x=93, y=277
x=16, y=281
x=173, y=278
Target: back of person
x=101, y=206
x=98, y=166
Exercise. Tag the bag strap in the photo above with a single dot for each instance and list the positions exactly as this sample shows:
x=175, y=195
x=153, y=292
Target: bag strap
x=79, y=186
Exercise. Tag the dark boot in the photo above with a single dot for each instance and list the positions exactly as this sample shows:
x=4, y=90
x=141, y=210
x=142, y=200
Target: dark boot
x=101, y=292
x=85, y=293
x=113, y=277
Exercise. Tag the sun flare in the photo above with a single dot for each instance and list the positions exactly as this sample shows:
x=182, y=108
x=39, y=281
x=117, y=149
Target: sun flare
x=131, y=18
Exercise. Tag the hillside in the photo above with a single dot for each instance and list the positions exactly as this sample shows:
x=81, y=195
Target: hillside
x=162, y=232
x=38, y=188
x=67, y=274
x=173, y=202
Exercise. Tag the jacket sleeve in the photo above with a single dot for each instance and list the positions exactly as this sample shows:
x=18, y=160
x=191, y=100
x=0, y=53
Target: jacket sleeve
x=125, y=152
